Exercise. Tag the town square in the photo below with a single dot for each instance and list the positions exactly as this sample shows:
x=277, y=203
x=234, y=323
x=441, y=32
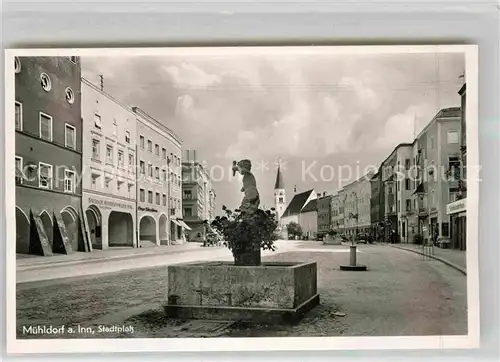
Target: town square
x=241, y=193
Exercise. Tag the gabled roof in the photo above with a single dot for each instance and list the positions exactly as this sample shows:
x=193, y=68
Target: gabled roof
x=279, y=184
x=311, y=206
x=297, y=203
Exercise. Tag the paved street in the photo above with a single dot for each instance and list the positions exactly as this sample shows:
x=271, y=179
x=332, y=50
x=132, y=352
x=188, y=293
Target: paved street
x=401, y=294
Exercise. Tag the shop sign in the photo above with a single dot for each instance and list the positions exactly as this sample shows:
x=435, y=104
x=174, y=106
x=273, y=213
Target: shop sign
x=456, y=206
x=150, y=209
x=109, y=204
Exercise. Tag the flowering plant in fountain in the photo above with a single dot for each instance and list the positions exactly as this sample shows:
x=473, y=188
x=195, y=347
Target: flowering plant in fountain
x=247, y=235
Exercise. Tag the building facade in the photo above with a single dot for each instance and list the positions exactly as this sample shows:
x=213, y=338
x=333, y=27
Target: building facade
x=159, y=200
x=308, y=220
x=48, y=155
x=294, y=208
x=324, y=215
x=196, y=196
x=437, y=149
x=357, y=206
x=407, y=219
x=457, y=209
x=389, y=178
x=108, y=178
x=377, y=208
x=338, y=202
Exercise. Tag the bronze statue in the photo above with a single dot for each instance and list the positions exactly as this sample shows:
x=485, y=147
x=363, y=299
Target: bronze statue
x=251, y=200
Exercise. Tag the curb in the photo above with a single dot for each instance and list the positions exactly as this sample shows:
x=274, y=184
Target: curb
x=444, y=261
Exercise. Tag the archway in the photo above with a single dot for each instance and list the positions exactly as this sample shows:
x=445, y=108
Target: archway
x=47, y=225
x=147, y=229
x=70, y=219
x=163, y=230
x=120, y=229
x=22, y=232
x=94, y=222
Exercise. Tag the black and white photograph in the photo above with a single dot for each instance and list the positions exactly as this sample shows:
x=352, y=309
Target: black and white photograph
x=233, y=197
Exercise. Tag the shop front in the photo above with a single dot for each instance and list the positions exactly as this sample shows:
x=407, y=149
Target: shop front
x=458, y=220
x=111, y=222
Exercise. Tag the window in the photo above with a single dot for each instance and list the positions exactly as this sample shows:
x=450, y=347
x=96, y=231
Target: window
x=408, y=205
x=454, y=194
x=109, y=154
x=188, y=195
x=141, y=138
x=157, y=198
x=72, y=59
x=452, y=137
x=97, y=121
x=121, y=159
x=157, y=173
x=17, y=65
x=127, y=137
x=407, y=163
x=433, y=201
x=70, y=136
x=150, y=197
x=19, y=116
x=407, y=184
x=150, y=146
x=142, y=167
x=69, y=181
x=142, y=195
x=45, y=127
x=19, y=170
x=157, y=150
x=150, y=170
x=45, y=175
x=164, y=176
x=45, y=82
x=280, y=199
x=454, y=168
x=164, y=197
x=188, y=211
x=96, y=149
x=164, y=153
x=131, y=163
x=115, y=128
x=70, y=96
x=445, y=229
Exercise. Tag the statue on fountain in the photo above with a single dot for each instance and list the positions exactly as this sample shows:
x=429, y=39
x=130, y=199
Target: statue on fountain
x=251, y=200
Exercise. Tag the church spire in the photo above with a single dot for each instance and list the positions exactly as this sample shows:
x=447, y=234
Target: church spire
x=279, y=184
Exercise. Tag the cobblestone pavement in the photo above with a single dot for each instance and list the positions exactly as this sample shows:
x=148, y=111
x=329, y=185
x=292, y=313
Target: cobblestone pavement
x=400, y=294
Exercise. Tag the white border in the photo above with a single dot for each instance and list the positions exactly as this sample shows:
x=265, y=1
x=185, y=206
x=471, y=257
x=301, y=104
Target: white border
x=256, y=344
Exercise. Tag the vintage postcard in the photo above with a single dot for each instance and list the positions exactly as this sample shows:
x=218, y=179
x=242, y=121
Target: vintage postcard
x=242, y=198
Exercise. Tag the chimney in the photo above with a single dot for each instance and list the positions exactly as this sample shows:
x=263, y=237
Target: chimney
x=318, y=194
x=324, y=193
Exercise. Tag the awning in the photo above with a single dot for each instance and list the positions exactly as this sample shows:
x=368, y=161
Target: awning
x=183, y=224
x=420, y=189
x=176, y=222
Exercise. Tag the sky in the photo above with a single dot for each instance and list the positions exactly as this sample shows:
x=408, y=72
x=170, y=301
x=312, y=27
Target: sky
x=318, y=115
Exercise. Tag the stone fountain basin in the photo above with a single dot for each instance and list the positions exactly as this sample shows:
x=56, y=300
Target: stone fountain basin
x=270, y=292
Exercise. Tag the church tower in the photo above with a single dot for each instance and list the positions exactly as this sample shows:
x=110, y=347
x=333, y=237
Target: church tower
x=279, y=195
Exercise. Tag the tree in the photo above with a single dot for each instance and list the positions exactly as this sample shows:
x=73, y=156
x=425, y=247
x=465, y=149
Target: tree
x=245, y=237
x=294, y=229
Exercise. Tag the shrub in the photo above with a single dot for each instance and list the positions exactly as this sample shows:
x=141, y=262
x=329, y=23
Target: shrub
x=245, y=237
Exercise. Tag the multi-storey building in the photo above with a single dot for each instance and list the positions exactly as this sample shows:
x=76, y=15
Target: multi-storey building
x=212, y=205
x=457, y=208
x=389, y=178
x=196, y=195
x=407, y=220
x=48, y=155
x=159, y=201
x=357, y=205
x=437, y=151
x=108, y=178
x=338, y=211
x=324, y=215
x=377, y=208
x=292, y=212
